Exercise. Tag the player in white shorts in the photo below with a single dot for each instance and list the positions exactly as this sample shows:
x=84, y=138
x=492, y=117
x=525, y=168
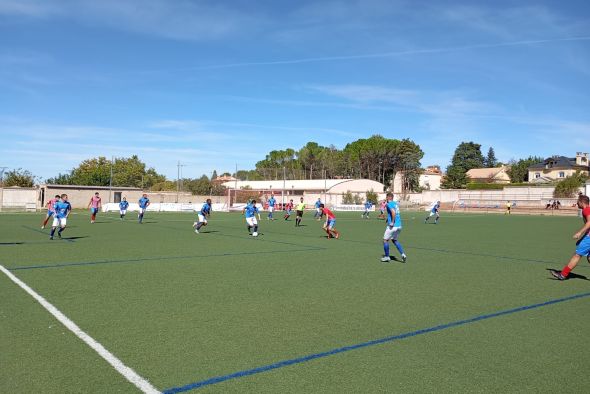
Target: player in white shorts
x=203, y=214
x=271, y=207
x=123, y=205
x=62, y=211
x=251, y=211
x=394, y=227
x=434, y=208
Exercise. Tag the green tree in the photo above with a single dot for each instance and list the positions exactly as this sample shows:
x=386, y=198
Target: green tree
x=490, y=160
x=467, y=156
x=331, y=161
x=408, y=156
x=273, y=164
x=375, y=158
x=60, y=179
x=380, y=158
x=19, y=177
x=519, y=170
x=164, y=186
x=310, y=156
x=201, y=186
x=128, y=172
x=248, y=175
x=92, y=172
x=568, y=187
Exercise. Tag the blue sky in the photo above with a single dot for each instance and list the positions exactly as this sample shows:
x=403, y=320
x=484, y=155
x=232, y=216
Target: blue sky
x=218, y=83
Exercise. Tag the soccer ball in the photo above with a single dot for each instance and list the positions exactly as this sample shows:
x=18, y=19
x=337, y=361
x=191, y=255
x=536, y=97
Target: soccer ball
x=255, y=234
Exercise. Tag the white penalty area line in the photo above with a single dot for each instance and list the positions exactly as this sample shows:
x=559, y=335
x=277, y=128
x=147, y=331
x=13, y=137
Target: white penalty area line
x=124, y=370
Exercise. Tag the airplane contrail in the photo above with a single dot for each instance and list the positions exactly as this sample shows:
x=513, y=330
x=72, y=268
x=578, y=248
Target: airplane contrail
x=389, y=54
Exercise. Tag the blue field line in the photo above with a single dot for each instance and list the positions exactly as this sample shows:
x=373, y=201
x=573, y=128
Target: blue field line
x=310, y=357
x=44, y=233
x=82, y=263
x=480, y=254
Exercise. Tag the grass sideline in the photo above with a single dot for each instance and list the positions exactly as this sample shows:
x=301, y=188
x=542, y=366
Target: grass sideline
x=181, y=308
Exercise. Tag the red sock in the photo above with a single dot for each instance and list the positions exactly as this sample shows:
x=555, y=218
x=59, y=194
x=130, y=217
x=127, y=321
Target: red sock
x=565, y=271
x=93, y=217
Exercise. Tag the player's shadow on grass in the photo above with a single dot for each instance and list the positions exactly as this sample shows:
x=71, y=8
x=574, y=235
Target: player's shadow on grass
x=11, y=243
x=74, y=238
x=571, y=275
x=208, y=232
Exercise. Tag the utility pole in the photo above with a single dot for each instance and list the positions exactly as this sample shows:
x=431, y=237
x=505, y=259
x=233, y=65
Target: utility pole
x=111, y=181
x=2, y=169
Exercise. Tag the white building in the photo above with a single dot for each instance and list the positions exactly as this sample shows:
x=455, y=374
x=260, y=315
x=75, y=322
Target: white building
x=428, y=180
x=329, y=190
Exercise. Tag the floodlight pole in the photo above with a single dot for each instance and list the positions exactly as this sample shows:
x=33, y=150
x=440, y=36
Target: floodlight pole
x=325, y=188
x=283, y=191
x=178, y=181
x=2, y=169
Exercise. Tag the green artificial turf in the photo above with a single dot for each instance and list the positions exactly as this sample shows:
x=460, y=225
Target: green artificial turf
x=180, y=307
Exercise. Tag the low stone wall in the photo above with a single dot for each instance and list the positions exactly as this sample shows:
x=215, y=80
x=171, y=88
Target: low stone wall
x=18, y=198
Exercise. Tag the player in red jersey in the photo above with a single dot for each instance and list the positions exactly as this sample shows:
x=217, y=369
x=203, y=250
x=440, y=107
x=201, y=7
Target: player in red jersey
x=288, y=209
x=94, y=204
x=330, y=224
x=50, y=209
x=583, y=244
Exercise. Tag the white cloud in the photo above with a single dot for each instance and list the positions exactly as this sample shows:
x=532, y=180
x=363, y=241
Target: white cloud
x=506, y=23
x=180, y=19
x=439, y=103
x=28, y=8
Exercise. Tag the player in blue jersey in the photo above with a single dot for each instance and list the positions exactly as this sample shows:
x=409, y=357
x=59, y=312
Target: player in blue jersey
x=318, y=210
x=251, y=211
x=434, y=208
x=204, y=213
x=271, y=207
x=368, y=206
x=62, y=211
x=394, y=227
x=144, y=202
x=123, y=205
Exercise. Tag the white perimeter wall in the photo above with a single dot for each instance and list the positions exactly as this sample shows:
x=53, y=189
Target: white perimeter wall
x=19, y=198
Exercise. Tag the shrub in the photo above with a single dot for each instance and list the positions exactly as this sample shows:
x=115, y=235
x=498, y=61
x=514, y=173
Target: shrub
x=485, y=186
x=372, y=196
x=349, y=198
x=568, y=187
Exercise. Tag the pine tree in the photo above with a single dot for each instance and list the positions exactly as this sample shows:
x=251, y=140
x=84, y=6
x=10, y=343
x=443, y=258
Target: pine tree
x=491, y=161
x=467, y=156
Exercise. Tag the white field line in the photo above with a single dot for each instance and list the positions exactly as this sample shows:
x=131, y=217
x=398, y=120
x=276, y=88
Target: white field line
x=124, y=370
